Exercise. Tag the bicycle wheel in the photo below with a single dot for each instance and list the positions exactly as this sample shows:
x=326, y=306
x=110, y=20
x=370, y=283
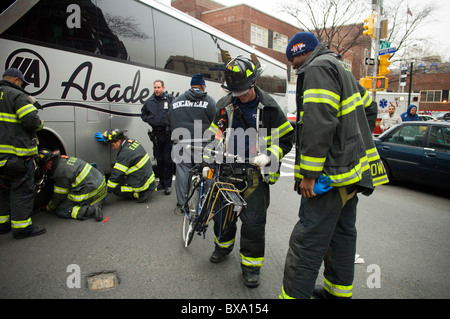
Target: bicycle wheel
x=190, y=211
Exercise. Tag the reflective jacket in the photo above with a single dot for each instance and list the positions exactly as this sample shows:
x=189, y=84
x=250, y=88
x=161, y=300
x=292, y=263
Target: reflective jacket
x=133, y=169
x=77, y=181
x=18, y=121
x=274, y=133
x=333, y=135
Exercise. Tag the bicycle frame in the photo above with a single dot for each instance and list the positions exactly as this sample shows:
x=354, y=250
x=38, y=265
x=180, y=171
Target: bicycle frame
x=215, y=196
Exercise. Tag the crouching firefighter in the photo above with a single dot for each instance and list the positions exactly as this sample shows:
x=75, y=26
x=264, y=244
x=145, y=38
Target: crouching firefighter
x=249, y=123
x=132, y=175
x=79, y=188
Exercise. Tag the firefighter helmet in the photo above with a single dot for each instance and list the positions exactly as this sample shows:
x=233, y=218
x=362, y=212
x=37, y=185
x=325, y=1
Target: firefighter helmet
x=44, y=155
x=240, y=74
x=114, y=135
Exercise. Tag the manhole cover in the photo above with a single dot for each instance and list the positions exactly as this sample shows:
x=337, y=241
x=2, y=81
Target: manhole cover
x=102, y=280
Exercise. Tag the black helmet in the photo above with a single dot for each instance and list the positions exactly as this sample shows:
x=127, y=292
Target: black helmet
x=44, y=155
x=241, y=73
x=114, y=135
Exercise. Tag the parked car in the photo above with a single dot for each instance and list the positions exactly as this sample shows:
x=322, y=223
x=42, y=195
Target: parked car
x=426, y=118
x=441, y=116
x=418, y=152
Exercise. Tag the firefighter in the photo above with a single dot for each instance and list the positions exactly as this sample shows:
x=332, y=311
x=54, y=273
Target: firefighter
x=248, y=110
x=336, y=158
x=132, y=175
x=79, y=188
x=19, y=121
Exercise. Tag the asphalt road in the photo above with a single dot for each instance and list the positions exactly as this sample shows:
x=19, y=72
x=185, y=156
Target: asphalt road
x=403, y=239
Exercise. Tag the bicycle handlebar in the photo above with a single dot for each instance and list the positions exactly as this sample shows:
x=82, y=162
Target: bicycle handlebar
x=233, y=157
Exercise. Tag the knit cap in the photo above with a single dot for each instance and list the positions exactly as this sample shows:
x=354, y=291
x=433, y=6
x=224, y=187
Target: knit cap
x=198, y=79
x=300, y=43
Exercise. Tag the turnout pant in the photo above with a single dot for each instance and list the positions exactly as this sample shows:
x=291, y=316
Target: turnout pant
x=326, y=231
x=17, y=194
x=81, y=210
x=253, y=219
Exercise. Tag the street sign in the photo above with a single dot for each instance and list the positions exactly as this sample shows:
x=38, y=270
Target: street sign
x=384, y=44
x=387, y=51
x=370, y=61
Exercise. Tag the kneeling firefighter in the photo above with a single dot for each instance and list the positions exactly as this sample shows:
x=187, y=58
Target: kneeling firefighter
x=132, y=175
x=79, y=188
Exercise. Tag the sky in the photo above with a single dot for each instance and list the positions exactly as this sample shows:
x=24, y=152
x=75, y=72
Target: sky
x=436, y=30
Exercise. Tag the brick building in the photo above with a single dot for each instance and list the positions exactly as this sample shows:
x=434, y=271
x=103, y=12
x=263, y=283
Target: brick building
x=264, y=32
x=270, y=35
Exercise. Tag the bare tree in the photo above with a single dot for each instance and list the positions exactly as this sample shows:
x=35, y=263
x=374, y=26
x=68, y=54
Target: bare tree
x=332, y=21
x=338, y=23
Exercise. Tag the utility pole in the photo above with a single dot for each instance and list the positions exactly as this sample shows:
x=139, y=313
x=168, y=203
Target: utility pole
x=377, y=6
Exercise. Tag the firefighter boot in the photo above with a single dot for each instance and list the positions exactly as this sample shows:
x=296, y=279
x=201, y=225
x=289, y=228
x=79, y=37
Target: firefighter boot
x=251, y=277
x=219, y=255
x=29, y=231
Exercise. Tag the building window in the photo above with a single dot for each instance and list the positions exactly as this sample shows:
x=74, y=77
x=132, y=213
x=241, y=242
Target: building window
x=280, y=42
x=430, y=96
x=347, y=64
x=259, y=36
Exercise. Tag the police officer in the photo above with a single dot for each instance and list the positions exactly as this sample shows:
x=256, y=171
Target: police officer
x=154, y=112
x=132, y=175
x=248, y=109
x=79, y=188
x=192, y=112
x=18, y=121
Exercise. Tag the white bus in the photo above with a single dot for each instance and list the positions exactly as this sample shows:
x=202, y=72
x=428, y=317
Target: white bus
x=92, y=63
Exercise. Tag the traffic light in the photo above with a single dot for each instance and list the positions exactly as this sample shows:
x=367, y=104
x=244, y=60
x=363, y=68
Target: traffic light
x=382, y=83
x=384, y=64
x=366, y=83
x=368, y=25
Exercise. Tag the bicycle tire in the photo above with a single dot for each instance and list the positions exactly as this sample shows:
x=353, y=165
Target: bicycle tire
x=190, y=216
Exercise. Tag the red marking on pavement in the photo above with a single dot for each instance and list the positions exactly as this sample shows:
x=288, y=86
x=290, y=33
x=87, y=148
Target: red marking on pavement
x=106, y=219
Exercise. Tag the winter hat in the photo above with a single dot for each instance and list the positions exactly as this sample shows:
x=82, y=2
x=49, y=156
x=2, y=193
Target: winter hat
x=302, y=42
x=198, y=79
x=16, y=73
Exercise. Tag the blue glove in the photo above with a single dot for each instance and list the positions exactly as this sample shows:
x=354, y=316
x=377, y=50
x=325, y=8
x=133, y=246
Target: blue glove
x=322, y=185
x=99, y=136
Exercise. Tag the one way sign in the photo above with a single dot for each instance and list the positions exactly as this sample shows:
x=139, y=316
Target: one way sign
x=370, y=61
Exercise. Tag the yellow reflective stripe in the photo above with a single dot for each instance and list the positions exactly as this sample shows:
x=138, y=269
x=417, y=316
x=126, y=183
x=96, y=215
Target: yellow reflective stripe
x=129, y=189
x=7, y=117
x=338, y=290
x=87, y=168
x=75, y=211
x=276, y=151
x=112, y=184
x=279, y=132
x=322, y=96
x=353, y=176
x=60, y=190
x=21, y=223
x=366, y=99
x=2, y=163
x=350, y=104
x=79, y=198
x=284, y=295
x=9, y=149
x=139, y=165
x=4, y=219
x=226, y=244
x=213, y=128
x=120, y=167
x=24, y=110
x=252, y=262
x=310, y=163
x=273, y=177
x=372, y=154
